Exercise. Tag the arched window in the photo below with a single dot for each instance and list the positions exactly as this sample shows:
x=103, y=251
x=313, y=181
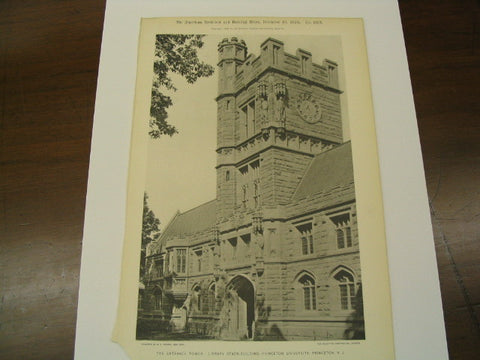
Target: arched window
x=211, y=298
x=346, y=288
x=308, y=289
x=157, y=297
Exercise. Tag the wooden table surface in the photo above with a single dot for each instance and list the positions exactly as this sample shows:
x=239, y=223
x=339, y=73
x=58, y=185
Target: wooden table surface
x=49, y=53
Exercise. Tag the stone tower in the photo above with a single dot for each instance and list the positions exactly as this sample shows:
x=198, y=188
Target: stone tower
x=275, y=112
x=231, y=55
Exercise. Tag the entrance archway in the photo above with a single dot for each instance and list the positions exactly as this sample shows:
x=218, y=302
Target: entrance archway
x=239, y=308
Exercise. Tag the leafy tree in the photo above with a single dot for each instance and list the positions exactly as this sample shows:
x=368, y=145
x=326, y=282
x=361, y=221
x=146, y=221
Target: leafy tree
x=150, y=232
x=150, y=226
x=173, y=54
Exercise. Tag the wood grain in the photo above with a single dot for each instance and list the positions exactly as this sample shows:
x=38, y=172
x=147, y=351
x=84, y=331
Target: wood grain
x=48, y=60
x=443, y=47
x=49, y=53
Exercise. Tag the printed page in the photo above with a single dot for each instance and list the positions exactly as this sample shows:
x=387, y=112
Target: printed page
x=254, y=224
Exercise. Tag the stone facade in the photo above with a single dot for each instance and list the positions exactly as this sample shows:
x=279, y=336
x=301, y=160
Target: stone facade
x=275, y=256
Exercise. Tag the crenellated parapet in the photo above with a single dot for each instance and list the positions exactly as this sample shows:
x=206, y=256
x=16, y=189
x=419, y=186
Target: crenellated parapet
x=244, y=68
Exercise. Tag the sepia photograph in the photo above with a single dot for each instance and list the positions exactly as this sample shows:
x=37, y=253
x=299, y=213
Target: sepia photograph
x=249, y=226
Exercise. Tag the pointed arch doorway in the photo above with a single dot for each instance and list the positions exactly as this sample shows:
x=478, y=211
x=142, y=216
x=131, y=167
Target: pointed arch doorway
x=239, y=309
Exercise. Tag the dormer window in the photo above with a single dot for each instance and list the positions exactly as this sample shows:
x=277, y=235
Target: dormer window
x=343, y=230
x=306, y=238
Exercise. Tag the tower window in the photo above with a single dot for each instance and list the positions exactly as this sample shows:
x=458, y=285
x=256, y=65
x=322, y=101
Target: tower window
x=248, y=185
x=227, y=175
x=248, y=115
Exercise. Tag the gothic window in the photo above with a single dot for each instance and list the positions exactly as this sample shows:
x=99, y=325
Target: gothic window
x=211, y=298
x=308, y=291
x=157, y=296
x=159, y=267
x=306, y=238
x=343, y=230
x=248, y=185
x=255, y=167
x=248, y=115
x=251, y=115
x=346, y=289
x=227, y=175
x=181, y=260
x=245, y=119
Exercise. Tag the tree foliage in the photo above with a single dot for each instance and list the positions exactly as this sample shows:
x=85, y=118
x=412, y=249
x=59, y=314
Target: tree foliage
x=151, y=225
x=173, y=54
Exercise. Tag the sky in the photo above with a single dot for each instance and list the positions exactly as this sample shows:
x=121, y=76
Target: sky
x=181, y=169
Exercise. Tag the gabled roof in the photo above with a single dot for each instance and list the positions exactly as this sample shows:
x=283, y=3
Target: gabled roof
x=197, y=219
x=327, y=170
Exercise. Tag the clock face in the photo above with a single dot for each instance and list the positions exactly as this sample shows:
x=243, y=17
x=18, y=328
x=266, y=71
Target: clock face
x=309, y=109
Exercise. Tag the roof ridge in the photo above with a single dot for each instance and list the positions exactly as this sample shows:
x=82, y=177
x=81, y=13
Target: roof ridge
x=196, y=207
x=170, y=222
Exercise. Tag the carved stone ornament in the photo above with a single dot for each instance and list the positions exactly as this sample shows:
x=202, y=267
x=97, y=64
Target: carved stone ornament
x=309, y=109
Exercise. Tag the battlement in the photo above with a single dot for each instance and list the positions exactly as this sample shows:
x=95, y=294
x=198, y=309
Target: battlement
x=248, y=67
x=232, y=41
